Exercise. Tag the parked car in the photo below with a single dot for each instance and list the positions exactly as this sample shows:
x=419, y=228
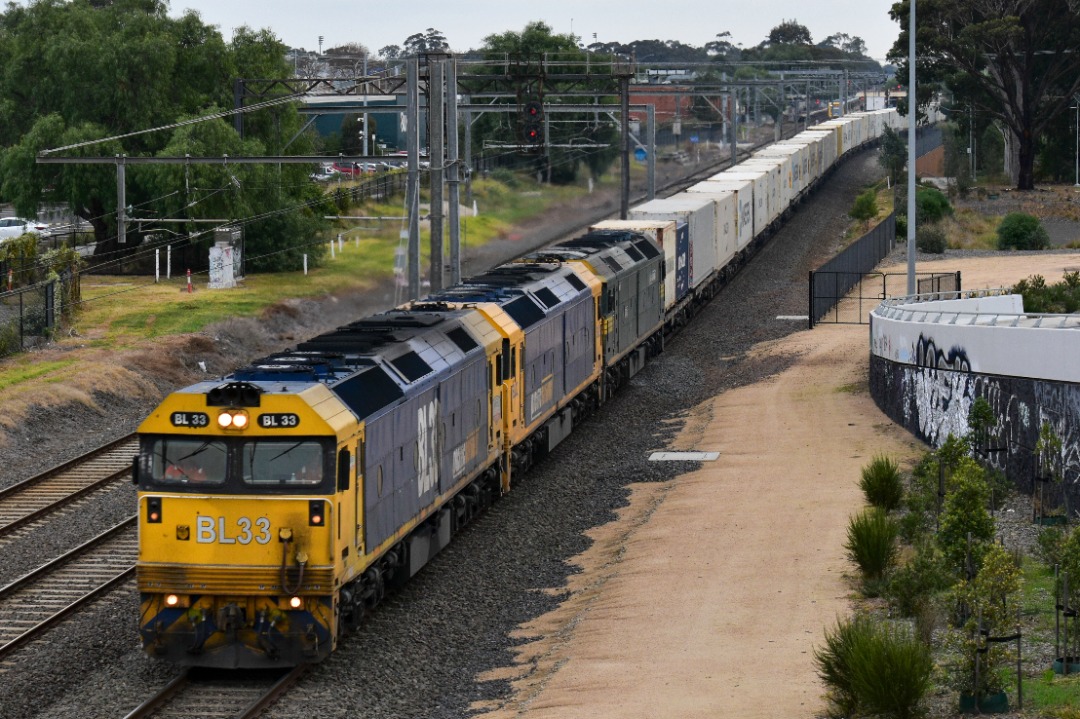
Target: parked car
x=11, y=227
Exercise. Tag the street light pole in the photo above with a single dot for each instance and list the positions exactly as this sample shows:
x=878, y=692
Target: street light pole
x=911, y=156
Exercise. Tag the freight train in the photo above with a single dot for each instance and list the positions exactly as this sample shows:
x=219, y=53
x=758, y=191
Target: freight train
x=279, y=504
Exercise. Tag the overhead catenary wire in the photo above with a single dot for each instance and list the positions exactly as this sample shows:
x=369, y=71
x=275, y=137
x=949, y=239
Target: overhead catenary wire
x=182, y=123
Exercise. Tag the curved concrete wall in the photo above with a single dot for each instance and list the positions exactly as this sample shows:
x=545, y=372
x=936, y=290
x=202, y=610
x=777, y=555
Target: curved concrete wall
x=930, y=361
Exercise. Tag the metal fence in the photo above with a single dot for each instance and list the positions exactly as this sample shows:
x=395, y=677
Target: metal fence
x=835, y=278
x=30, y=315
x=866, y=291
x=845, y=288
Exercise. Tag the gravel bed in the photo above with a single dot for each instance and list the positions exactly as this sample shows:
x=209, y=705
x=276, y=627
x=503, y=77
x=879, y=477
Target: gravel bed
x=421, y=652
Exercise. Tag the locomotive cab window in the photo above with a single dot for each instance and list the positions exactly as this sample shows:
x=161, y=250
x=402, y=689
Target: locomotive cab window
x=179, y=461
x=283, y=462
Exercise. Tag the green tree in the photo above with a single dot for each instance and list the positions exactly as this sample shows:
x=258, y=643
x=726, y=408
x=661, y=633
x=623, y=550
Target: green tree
x=84, y=70
x=789, y=32
x=865, y=207
x=573, y=138
x=965, y=514
x=1012, y=60
x=1021, y=231
x=893, y=155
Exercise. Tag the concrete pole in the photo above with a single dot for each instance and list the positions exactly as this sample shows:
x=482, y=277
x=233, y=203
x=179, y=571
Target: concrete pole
x=453, y=171
x=650, y=159
x=624, y=122
x=437, y=159
x=467, y=122
x=412, y=145
x=121, y=200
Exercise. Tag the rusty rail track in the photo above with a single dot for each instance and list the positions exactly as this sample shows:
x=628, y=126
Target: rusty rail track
x=40, y=599
x=31, y=499
x=238, y=695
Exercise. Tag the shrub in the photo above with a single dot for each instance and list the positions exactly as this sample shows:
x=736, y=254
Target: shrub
x=981, y=420
x=930, y=240
x=881, y=483
x=865, y=207
x=931, y=205
x=1050, y=545
x=912, y=586
x=901, y=228
x=871, y=543
x=920, y=501
x=873, y=668
x=1021, y=231
x=834, y=661
x=965, y=512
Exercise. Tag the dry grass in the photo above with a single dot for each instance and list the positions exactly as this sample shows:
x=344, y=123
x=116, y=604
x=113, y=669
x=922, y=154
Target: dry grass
x=967, y=229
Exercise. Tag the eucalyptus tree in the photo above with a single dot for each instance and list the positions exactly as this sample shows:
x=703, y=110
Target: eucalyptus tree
x=1012, y=60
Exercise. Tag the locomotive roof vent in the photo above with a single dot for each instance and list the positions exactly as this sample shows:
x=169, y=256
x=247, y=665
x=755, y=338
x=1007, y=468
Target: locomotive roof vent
x=235, y=394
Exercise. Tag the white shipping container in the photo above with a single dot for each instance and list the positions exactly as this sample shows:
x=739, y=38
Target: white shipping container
x=779, y=192
x=726, y=209
x=744, y=205
x=700, y=215
x=760, y=180
x=797, y=169
x=663, y=232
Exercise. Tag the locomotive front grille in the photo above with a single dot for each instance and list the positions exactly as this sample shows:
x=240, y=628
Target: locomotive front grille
x=231, y=580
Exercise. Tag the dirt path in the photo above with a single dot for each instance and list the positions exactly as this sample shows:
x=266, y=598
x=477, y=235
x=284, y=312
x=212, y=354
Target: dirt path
x=706, y=597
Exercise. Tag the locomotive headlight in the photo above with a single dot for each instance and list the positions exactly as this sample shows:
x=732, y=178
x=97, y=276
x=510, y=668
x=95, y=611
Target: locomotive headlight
x=175, y=601
x=233, y=419
x=296, y=602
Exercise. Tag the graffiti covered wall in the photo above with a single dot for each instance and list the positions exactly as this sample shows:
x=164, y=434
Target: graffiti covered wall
x=933, y=402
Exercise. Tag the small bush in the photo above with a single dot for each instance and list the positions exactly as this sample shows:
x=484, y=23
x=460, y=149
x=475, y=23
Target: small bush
x=871, y=543
x=881, y=483
x=1050, y=545
x=834, y=661
x=901, y=228
x=865, y=207
x=1021, y=231
x=912, y=587
x=965, y=512
x=930, y=240
x=872, y=668
x=931, y=205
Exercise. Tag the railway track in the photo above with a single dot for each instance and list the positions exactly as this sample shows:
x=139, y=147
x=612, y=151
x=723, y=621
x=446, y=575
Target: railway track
x=31, y=499
x=36, y=601
x=237, y=695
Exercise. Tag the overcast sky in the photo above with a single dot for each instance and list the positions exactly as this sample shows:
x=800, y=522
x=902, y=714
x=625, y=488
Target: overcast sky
x=467, y=22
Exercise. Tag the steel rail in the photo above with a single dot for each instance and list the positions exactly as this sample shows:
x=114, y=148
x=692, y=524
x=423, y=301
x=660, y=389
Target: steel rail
x=62, y=591
x=33, y=498
x=226, y=692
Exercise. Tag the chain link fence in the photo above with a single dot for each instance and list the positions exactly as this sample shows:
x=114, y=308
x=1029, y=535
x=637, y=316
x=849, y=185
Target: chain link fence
x=29, y=316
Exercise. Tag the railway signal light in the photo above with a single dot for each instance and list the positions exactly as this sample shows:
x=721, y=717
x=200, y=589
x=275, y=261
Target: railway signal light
x=532, y=119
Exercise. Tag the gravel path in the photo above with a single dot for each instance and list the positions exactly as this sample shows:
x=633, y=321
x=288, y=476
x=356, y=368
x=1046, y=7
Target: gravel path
x=421, y=654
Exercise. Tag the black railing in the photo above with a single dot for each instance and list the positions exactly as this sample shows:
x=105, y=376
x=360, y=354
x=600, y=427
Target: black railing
x=30, y=315
x=845, y=289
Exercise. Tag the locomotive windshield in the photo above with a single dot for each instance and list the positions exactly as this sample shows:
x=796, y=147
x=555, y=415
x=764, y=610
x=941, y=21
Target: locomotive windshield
x=282, y=462
x=237, y=465
x=182, y=461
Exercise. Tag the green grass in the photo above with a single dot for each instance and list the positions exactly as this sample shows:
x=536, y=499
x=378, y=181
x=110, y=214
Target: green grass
x=26, y=372
x=121, y=313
